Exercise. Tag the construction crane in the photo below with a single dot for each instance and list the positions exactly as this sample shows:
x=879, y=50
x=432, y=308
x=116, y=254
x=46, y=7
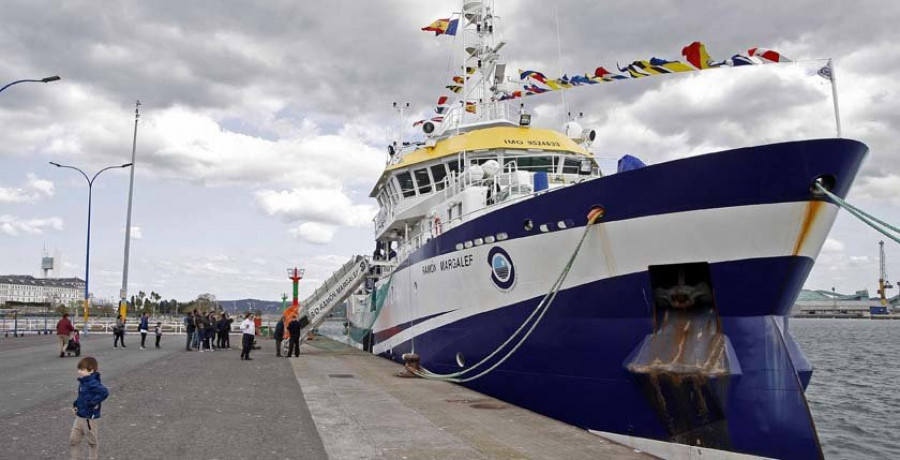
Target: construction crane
x=883, y=283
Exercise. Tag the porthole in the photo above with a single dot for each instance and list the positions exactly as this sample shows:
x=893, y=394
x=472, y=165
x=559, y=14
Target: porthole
x=460, y=360
x=459, y=246
x=489, y=239
x=528, y=224
x=479, y=241
x=502, y=236
x=468, y=244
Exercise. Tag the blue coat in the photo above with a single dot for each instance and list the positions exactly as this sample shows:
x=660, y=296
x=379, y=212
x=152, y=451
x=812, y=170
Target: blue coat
x=91, y=393
x=145, y=324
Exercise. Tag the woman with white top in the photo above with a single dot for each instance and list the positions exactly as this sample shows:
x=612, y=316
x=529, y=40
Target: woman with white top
x=248, y=331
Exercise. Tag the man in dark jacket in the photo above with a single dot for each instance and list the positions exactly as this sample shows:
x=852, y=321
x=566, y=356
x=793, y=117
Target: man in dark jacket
x=191, y=329
x=64, y=329
x=294, y=328
x=279, y=336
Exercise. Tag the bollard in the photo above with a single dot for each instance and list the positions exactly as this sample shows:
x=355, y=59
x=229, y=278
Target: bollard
x=411, y=365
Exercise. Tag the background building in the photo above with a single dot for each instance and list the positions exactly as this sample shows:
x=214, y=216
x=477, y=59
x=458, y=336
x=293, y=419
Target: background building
x=26, y=289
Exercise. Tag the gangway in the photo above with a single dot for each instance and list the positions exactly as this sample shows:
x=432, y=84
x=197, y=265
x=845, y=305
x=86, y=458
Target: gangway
x=315, y=308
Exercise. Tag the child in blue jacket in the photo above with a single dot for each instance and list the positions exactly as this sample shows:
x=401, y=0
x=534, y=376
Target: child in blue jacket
x=91, y=393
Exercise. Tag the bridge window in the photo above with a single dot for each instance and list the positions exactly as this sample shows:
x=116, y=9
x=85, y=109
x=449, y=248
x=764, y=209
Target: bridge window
x=453, y=167
x=542, y=163
x=406, y=184
x=423, y=180
x=571, y=166
x=438, y=172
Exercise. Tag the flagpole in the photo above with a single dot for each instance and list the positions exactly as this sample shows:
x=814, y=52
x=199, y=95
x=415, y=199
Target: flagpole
x=834, y=96
x=562, y=93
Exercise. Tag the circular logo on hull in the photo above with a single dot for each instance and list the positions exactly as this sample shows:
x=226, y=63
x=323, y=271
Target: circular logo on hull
x=503, y=272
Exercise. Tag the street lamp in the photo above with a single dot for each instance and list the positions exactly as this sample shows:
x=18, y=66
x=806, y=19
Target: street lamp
x=42, y=80
x=87, y=260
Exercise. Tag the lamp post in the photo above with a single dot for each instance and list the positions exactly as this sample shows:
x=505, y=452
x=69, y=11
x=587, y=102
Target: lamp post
x=87, y=260
x=42, y=80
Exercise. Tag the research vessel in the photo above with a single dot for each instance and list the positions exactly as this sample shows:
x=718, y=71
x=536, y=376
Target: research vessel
x=652, y=302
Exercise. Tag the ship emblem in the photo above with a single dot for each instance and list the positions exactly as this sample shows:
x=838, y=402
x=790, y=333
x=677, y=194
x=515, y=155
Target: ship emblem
x=503, y=273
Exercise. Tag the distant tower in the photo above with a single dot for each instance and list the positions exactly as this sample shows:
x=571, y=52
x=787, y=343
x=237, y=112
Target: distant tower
x=46, y=263
x=296, y=274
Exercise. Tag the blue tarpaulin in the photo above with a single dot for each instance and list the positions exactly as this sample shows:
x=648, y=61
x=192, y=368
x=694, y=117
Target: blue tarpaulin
x=628, y=163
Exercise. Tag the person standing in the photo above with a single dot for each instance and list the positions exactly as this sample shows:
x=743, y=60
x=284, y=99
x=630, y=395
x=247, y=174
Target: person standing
x=294, y=329
x=91, y=394
x=144, y=328
x=119, y=332
x=279, y=336
x=195, y=340
x=64, y=330
x=158, y=331
x=228, y=321
x=191, y=329
x=248, y=331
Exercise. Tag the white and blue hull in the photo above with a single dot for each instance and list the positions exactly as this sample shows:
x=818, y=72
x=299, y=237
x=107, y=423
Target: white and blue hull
x=748, y=214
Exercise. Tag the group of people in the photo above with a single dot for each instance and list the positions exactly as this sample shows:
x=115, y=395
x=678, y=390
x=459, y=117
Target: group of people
x=143, y=328
x=294, y=329
x=207, y=331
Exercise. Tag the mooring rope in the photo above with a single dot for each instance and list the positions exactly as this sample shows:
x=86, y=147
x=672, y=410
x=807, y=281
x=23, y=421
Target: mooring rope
x=868, y=219
x=538, y=311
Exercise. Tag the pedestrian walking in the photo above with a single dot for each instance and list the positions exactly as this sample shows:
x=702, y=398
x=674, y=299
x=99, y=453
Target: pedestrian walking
x=294, y=329
x=64, y=330
x=158, y=331
x=91, y=394
x=144, y=328
x=279, y=336
x=248, y=330
x=119, y=332
x=191, y=329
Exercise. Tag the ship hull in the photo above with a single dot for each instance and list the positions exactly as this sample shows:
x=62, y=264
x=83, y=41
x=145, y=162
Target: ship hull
x=744, y=221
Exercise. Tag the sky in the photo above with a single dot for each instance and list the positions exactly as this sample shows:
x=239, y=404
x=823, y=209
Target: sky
x=264, y=124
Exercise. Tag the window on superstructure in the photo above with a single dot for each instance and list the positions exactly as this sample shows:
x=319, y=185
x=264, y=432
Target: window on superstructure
x=571, y=166
x=438, y=172
x=453, y=167
x=423, y=180
x=533, y=164
x=407, y=188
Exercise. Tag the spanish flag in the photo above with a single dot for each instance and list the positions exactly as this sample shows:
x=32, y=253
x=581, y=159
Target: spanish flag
x=442, y=27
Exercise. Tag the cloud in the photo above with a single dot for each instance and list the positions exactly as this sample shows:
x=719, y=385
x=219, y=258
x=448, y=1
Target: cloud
x=833, y=245
x=15, y=226
x=885, y=188
x=314, y=232
x=323, y=206
x=34, y=189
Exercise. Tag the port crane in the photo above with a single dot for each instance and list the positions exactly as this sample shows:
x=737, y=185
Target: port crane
x=883, y=283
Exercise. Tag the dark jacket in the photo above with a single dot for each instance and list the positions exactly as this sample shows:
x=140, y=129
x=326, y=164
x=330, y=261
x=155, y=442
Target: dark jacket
x=279, y=330
x=145, y=324
x=189, y=322
x=294, y=328
x=91, y=393
x=64, y=327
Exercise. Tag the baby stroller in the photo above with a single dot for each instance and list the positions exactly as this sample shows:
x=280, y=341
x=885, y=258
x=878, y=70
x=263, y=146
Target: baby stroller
x=74, y=346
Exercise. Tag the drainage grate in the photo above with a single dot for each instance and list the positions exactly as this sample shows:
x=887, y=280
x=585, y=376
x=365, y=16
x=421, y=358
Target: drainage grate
x=342, y=376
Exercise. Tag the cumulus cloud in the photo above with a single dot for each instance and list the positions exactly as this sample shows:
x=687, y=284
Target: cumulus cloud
x=885, y=188
x=324, y=206
x=314, y=232
x=15, y=226
x=34, y=189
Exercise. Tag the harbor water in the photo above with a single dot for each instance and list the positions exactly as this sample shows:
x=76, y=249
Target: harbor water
x=853, y=394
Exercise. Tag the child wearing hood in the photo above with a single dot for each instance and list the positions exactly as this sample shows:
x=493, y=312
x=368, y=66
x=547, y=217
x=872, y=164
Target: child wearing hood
x=91, y=393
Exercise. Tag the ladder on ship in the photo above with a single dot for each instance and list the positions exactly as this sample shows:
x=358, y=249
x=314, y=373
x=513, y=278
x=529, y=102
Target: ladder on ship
x=342, y=283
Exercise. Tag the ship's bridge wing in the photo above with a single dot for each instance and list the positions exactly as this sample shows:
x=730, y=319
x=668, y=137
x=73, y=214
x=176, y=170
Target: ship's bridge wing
x=505, y=137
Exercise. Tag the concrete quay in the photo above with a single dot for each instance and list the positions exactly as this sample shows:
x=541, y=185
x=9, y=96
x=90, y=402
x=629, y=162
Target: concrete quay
x=334, y=402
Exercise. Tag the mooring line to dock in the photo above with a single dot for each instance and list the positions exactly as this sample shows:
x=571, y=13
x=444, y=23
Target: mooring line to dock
x=865, y=217
x=541, y=309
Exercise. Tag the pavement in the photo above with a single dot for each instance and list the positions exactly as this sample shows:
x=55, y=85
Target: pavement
x=363, y=410
x=334, y=402
x=163, y=404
